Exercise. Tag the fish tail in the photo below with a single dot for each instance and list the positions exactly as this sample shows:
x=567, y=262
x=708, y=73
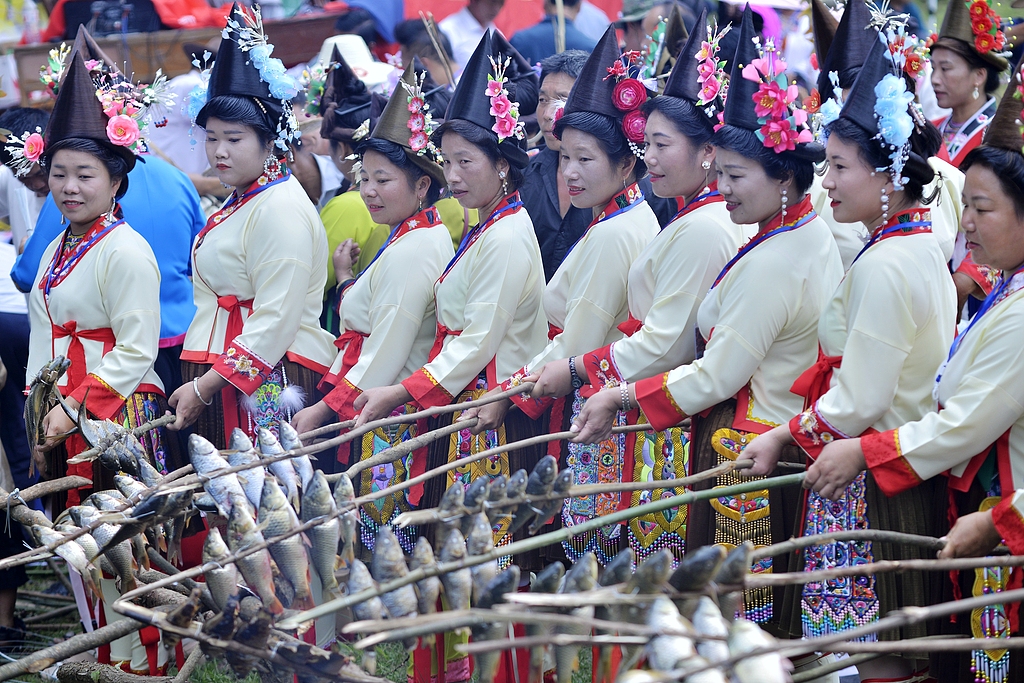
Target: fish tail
x=304, y=603
x=128, y=583
x=275, y=606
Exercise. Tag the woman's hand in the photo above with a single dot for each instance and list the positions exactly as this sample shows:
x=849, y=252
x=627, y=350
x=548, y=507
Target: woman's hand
x=836, y=467
x=345, y=256
x=378, y=402
x=489, y=416
x=56, y=424
x=308, y=419
x=965, y=289
x=597, y=418
x=973, y=535
x=187, y=406
x=765, y=451
x=554, y=380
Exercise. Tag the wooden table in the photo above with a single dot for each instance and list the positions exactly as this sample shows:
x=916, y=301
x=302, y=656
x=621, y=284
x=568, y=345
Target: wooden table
x=295, y=40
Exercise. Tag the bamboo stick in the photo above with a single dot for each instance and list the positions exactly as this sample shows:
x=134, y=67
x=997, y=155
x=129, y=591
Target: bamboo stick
x=925, y=645
x=59, y=612
x=194, y=661
x=406, y=447
x=326, y=429
x=83, y=642
x=556, y=639
x=536, y=542
x=64, y=580
x=880, y=535
x=107, y=441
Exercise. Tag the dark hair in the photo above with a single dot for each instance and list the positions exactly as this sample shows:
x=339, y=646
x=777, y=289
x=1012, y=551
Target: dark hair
x=486, y=141
x=973, y=59
x=608, y=133
x=782, y=166
x=359, y=22
x=569, y=63
x=244, y=110
x=21, y=120
x=1007, y=165
x=924, y=143
x=117, y=166
x=687, y=119
x=398, y=156
x=413, y=37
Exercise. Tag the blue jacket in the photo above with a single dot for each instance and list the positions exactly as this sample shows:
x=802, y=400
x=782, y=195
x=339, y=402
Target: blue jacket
x=538, y=41
x=162, y=205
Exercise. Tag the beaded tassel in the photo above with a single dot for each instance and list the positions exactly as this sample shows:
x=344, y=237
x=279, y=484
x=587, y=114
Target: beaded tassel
x=990, y=666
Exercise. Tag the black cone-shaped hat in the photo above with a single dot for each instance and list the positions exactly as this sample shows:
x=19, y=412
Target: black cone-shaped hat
x=78, y=114
x=593, y=89
x=859, y=106
x=393, y=125
x=957, y=25
x=1004, y=132
x=470, y=102
x=682, y=82
x=854, y=38
x=86, y=44
x=739, y=105
x=520, y=73
x=672, y=43
x=345, y=103
x=824, y=27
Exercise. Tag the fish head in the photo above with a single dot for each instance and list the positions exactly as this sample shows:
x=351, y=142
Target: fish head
x=198, y=447
x=494, y=593
x=149, y=475
x=517, y=484
x=317, y=498
x=496, y=492
x=289, y=437
x=387, y=545
x=214, y=548
x=548, y=579
x=477, y=492
x=619, y=569
x=453, y=496
x=239, y=441
x=344, y=492
x=582, y=576
x=481, y=535
x=273, y=497
x=745, y=636
x=697, y=568
x=359, y=576
x=422, y=554
x=269, y=444
x=652, y=574
x=563, y=481
x=663, y=614
x=240, y=523
x=454, y=546
x=546, y=470
x=736, y=565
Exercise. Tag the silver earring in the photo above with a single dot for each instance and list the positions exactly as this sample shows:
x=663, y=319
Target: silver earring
x=705, y=164
x=785, y=203
x=113, y=206
x=63, y=219
x=504, y=183
x=421, y=203
x=623, y=183
x=885, y=207
x=975, y=94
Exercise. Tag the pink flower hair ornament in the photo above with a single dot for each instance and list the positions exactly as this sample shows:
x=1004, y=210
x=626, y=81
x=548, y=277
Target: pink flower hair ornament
x=782, y=119
x=504, y=110
x=421, y=121
x=711, y=75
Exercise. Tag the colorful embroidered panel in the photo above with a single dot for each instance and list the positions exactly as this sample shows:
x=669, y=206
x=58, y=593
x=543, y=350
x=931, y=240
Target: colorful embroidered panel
x=384, y=510
x=659, y=456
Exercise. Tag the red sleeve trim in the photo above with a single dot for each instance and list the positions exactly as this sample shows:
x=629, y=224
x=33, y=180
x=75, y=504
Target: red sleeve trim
x=103, y=401
x=1010, y=524
x=243, y=368
x=342, y=398
x=426, y=392
x=884, y=458
x=657, y=403
x=984, y=276
x=812, y=432
x=532, y=407
x=601, y=369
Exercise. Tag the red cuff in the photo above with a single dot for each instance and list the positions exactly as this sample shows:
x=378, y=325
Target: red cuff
x=243, y=368
x=656, y=401
x=425, y=390
x=342, y=399
x=103, y=401
x=812, y=433
x=601, y=370
x=1009, y=524
x=883, y=456
x=984, y=276
x=532, y=407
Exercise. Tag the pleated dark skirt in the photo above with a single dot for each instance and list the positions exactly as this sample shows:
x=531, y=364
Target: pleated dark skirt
x=763, y=520
x=212, y=421
x=955, y=667
x=516, y=427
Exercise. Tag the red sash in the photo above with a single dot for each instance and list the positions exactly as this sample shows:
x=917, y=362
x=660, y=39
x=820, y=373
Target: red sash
x=631, y=326
x=439, y=337
x=815, y=380
x=234, y=307
x=77, y=371
x=351, y=342
x=554, y=331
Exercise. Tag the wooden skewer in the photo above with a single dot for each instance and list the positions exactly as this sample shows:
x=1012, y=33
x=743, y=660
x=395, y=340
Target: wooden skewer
x=556, y=639
x=880, y=535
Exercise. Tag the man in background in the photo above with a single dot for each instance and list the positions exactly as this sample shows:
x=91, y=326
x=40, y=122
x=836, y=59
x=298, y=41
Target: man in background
x=538, y=42
x=466, y=27
x=414, y=41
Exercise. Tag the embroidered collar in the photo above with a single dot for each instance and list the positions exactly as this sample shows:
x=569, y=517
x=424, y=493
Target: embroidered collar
x=509, y=205
x=803, y=213
x=71, y=250
x=424, y=218
x=623, y=201
x=956, y=137
x=910, y=222
x=710, y=195
x=267, y=180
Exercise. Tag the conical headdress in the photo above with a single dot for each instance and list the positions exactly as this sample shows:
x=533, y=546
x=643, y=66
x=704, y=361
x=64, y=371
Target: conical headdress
x=687, y=81
x=739, y=106
x=407, y=121
x=823, y=25
x=674, y=37
x=1005, y=130
x=851, y=42
x=976, y=25
x=345, y=103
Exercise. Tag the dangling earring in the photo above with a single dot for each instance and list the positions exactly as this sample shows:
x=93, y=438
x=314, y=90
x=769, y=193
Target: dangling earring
x=63, y=219
x=421, y=203
x=113, y=206
x=504, y=183
x=272, y=167
x=785, y=203
x=706, y=165
x=885, y=207
x=975, y=94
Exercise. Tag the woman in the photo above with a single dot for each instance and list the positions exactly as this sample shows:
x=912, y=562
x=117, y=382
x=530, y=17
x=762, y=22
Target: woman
x=763, y=306
x=255, y=350
x=586, y=300
x=557, y=221
x=666, y=284
x=886, y=329
x=488, y=298
x=95, y=298
x=387, y=312
x=967, y=60
x=974, y=436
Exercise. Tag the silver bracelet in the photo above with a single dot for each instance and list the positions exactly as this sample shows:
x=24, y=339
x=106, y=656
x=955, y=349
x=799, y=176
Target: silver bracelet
x=195, y=386
x=624, y=393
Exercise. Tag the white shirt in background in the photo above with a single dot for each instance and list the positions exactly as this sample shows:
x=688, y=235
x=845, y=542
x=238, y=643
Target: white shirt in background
x=11, y=300
x=464, y=32
x=591, y=21
x=20, y=205
x=173, y=140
